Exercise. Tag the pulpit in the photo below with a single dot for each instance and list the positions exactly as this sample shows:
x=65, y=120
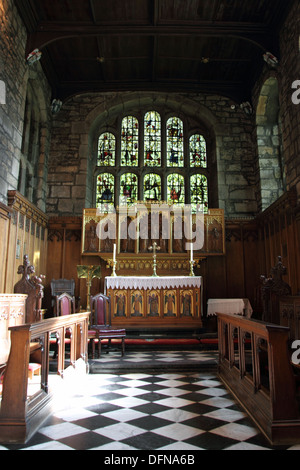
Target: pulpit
x=155, y=301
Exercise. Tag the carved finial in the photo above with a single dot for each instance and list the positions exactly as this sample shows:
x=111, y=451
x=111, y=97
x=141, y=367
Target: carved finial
x=26, y=268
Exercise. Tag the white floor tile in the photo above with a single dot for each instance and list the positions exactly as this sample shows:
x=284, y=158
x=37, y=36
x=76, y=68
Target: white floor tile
x=178, y=431
x=120, y=432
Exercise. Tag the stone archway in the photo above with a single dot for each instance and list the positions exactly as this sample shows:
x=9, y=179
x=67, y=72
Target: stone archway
x=271, y=174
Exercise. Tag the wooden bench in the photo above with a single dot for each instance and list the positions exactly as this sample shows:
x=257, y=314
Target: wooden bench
x=255, y=365
x=22, y=414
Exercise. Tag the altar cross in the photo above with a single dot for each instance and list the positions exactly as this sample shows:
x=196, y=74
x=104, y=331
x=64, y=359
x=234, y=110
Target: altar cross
x=153, y=248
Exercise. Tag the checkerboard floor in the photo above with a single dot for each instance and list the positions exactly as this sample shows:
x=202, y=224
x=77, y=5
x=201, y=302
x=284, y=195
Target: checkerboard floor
x=158, y=411
x=153, y=359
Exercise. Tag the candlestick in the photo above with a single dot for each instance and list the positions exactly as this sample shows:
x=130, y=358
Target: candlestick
x=191, y=252
x=192, y=268
x=154, y=248
x=114, y=262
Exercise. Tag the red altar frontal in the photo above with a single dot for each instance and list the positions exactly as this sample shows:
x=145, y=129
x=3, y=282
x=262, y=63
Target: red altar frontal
x=155, y=302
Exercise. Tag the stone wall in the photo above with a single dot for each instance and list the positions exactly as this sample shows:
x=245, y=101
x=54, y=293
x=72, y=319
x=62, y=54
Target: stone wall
x=73, y=150
x=12, y=72
x=290, y=113
x=15, y=75
x=274, y=179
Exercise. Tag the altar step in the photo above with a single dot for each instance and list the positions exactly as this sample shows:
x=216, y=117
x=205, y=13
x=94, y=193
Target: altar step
x=177, y=340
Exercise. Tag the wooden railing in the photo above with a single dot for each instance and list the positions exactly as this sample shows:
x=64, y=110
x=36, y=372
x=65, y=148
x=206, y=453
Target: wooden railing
x=255, y=365
x=21, y=414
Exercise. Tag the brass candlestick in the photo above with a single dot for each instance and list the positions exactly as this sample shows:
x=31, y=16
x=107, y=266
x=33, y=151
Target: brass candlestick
x=154, y=248
x=112, y=264
x=192, y=262
x=88, y=273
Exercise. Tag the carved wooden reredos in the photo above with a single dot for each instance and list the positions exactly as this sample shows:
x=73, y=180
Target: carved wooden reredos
x=133, y=252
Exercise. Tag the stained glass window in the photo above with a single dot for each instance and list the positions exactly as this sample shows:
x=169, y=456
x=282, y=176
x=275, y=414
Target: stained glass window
x=198, y=151
x=152, y=187
x=175, y=156
x=130, y=141
x=161, y=150
x=105, y=190
x=129, y=188
x=106, y=150
x=152, y=139
x=175, y=189
x=199, y=193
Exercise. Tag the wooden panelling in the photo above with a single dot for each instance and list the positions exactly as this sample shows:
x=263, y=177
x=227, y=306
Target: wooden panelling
x=5, y=214
x=279, y=228
x=23, y=230
x=64, y=253
x=251, y=249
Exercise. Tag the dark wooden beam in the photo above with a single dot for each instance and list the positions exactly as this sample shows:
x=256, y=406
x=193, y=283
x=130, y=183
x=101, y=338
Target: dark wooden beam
x=232, y=90
x=48, y=32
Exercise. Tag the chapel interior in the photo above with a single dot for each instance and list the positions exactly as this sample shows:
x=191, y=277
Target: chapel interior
x=122, y=125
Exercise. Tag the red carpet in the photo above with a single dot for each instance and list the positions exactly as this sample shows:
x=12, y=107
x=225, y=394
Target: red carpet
x=182, y=342
x=161, y=341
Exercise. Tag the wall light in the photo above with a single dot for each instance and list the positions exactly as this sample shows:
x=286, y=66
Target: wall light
x=34, y=56
x=247, y=108
x=56, y=106
x=271, y=60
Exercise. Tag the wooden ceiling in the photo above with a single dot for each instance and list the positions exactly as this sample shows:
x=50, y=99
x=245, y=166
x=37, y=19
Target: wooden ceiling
x=198, y=46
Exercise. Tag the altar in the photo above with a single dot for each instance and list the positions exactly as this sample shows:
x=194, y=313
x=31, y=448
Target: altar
x=162, y=301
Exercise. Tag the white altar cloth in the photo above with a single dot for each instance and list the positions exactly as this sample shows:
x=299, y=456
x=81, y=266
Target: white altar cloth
x=233, y=306
x=148, y=282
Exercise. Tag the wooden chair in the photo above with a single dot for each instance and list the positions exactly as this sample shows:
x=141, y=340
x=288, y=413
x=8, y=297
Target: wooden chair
x=62, y=286
x=65, y=304
x=101, y=328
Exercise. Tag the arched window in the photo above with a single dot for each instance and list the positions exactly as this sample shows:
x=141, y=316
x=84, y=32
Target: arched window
x=31, y=143
x=106, y=150
x=148, y=164
x=105, y=190
x=197, y=150
x=199, y=195
x=175, y=155
x=175, y=189
x=129, y=188
x=152, y=139
x=130, y=141
x=152, y=187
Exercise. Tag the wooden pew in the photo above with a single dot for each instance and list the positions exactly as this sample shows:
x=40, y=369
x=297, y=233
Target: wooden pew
x=21, y=415
x=255, y=365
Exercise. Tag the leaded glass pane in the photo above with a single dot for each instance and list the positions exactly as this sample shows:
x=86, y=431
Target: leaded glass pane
x=130, y=141
x=199, y=193
x=175, y=156
x=152, y=139
x=175, y=189
x=152, y=187
x=105, y=191
x=198, y=151
x=106, y=150
x=129, y=188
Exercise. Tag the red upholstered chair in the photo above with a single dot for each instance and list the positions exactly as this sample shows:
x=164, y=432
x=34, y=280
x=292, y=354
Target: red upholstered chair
x=101, y=328
x=65, y=304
